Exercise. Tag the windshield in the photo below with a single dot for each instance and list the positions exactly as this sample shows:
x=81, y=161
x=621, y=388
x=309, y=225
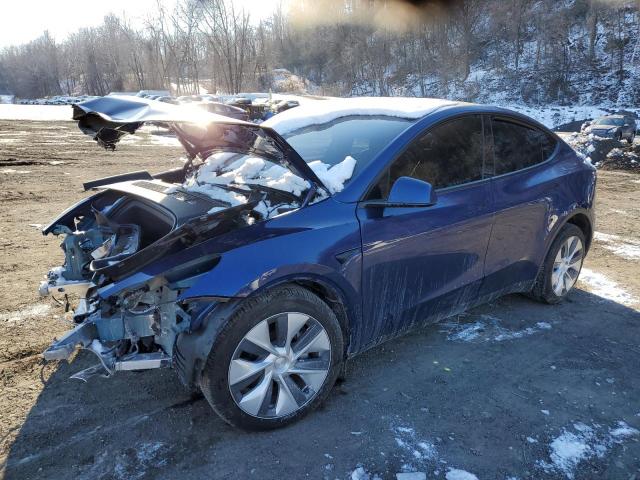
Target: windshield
x=616, y=122
x=335, y=151
x=359, y=137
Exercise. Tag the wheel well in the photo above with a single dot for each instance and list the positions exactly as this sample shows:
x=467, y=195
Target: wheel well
x=581, y=221
x=333, y=300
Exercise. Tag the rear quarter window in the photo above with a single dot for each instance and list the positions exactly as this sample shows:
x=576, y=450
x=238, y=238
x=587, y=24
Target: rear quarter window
x=518, y=146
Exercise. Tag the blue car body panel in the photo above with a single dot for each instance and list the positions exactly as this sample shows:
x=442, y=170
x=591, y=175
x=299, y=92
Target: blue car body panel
x=530, y=207
x=420, y=264
x=320, y=244
x=394, y=268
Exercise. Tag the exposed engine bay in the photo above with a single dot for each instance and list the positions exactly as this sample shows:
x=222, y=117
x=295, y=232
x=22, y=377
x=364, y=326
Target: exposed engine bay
x=113, y=235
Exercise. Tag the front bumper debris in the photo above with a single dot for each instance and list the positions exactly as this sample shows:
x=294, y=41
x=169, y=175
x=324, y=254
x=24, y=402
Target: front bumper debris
x=86, y=336
x=83, y=335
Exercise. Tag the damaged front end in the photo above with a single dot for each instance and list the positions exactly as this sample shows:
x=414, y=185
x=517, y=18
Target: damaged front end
x=135, y=246
x=126, y=277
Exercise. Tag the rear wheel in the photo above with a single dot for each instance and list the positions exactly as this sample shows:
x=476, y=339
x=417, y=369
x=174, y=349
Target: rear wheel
x=562, y=266
x=276, y=360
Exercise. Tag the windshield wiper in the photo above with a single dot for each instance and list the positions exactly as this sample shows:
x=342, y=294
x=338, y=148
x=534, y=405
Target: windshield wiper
x=290, y=197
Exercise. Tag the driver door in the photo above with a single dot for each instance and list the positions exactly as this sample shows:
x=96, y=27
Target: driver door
x=425, y=263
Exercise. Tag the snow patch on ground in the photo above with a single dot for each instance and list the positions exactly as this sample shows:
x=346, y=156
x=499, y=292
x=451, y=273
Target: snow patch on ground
x=606, y=288
x=34, y=311
x=571, y=447
x=35, y=112
x=456, y=474
x=620, y=155
x=626, y=248
x=135, y=463
x=554, y=115
x=411, y=476
x=623, y=431
x=10, y=171
x=360, y=473
x=152, y=138
x=488, y=329
x=419, y=449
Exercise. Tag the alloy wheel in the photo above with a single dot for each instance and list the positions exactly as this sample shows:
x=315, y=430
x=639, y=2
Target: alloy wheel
x=566, y=266
x=280, y=365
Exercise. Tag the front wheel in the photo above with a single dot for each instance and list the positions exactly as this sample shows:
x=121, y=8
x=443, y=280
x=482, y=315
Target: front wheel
x=562, y=266
x=275, y=360
x=631, y=139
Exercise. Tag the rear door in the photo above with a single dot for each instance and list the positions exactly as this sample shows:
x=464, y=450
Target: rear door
x=523, y=191
x=424, y=263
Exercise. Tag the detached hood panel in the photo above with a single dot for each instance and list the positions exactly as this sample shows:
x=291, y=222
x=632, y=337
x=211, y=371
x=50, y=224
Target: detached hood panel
x=108, y=119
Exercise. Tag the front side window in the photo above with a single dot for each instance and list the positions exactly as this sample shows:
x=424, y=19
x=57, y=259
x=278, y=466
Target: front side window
x=447, y=155
x=517, y=146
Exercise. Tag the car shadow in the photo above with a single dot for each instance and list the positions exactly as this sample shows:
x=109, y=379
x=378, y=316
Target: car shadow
x=480, y=390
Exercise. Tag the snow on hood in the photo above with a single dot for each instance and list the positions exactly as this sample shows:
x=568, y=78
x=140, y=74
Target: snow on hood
x=226, y=168
x=323, y=111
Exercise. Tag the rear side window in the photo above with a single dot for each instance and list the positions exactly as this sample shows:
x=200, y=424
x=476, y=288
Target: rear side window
x=447, y=155
x=517, y=146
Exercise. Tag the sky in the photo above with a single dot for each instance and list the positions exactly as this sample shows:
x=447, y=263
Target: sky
x=25, y=20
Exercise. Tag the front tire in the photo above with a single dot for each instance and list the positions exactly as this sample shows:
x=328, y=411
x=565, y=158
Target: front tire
x=276, y=359
x=561, y=267
x=631, y=139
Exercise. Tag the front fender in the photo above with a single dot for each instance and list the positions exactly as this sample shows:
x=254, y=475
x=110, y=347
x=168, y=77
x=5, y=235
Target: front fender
x=235, y=276
x=321, y=241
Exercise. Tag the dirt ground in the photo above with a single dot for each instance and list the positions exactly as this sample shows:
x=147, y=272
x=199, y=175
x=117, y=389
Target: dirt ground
x=496, y=391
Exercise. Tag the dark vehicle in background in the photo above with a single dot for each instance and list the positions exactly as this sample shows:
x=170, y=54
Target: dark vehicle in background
x=240, y=102
x=280, y=250
x=171, y=100
x=618, y=127
x=285, y=105
x=210, y=98
x=189, y=98
x=253, y=111
x=223, y=109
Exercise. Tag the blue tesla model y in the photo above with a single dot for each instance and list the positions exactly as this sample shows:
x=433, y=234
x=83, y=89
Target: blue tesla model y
x=280, y=250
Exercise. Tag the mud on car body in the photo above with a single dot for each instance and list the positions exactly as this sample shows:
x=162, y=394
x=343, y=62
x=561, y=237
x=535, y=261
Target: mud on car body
x=278, y=251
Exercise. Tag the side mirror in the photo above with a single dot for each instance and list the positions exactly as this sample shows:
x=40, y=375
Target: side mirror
x=407, y=192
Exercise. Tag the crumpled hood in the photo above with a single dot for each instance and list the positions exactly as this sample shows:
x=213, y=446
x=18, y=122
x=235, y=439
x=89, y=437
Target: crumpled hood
x=108, y=119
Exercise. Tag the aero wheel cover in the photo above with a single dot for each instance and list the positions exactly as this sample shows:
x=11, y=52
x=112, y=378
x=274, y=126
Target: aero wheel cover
x=567, y=265
x=280, y=365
